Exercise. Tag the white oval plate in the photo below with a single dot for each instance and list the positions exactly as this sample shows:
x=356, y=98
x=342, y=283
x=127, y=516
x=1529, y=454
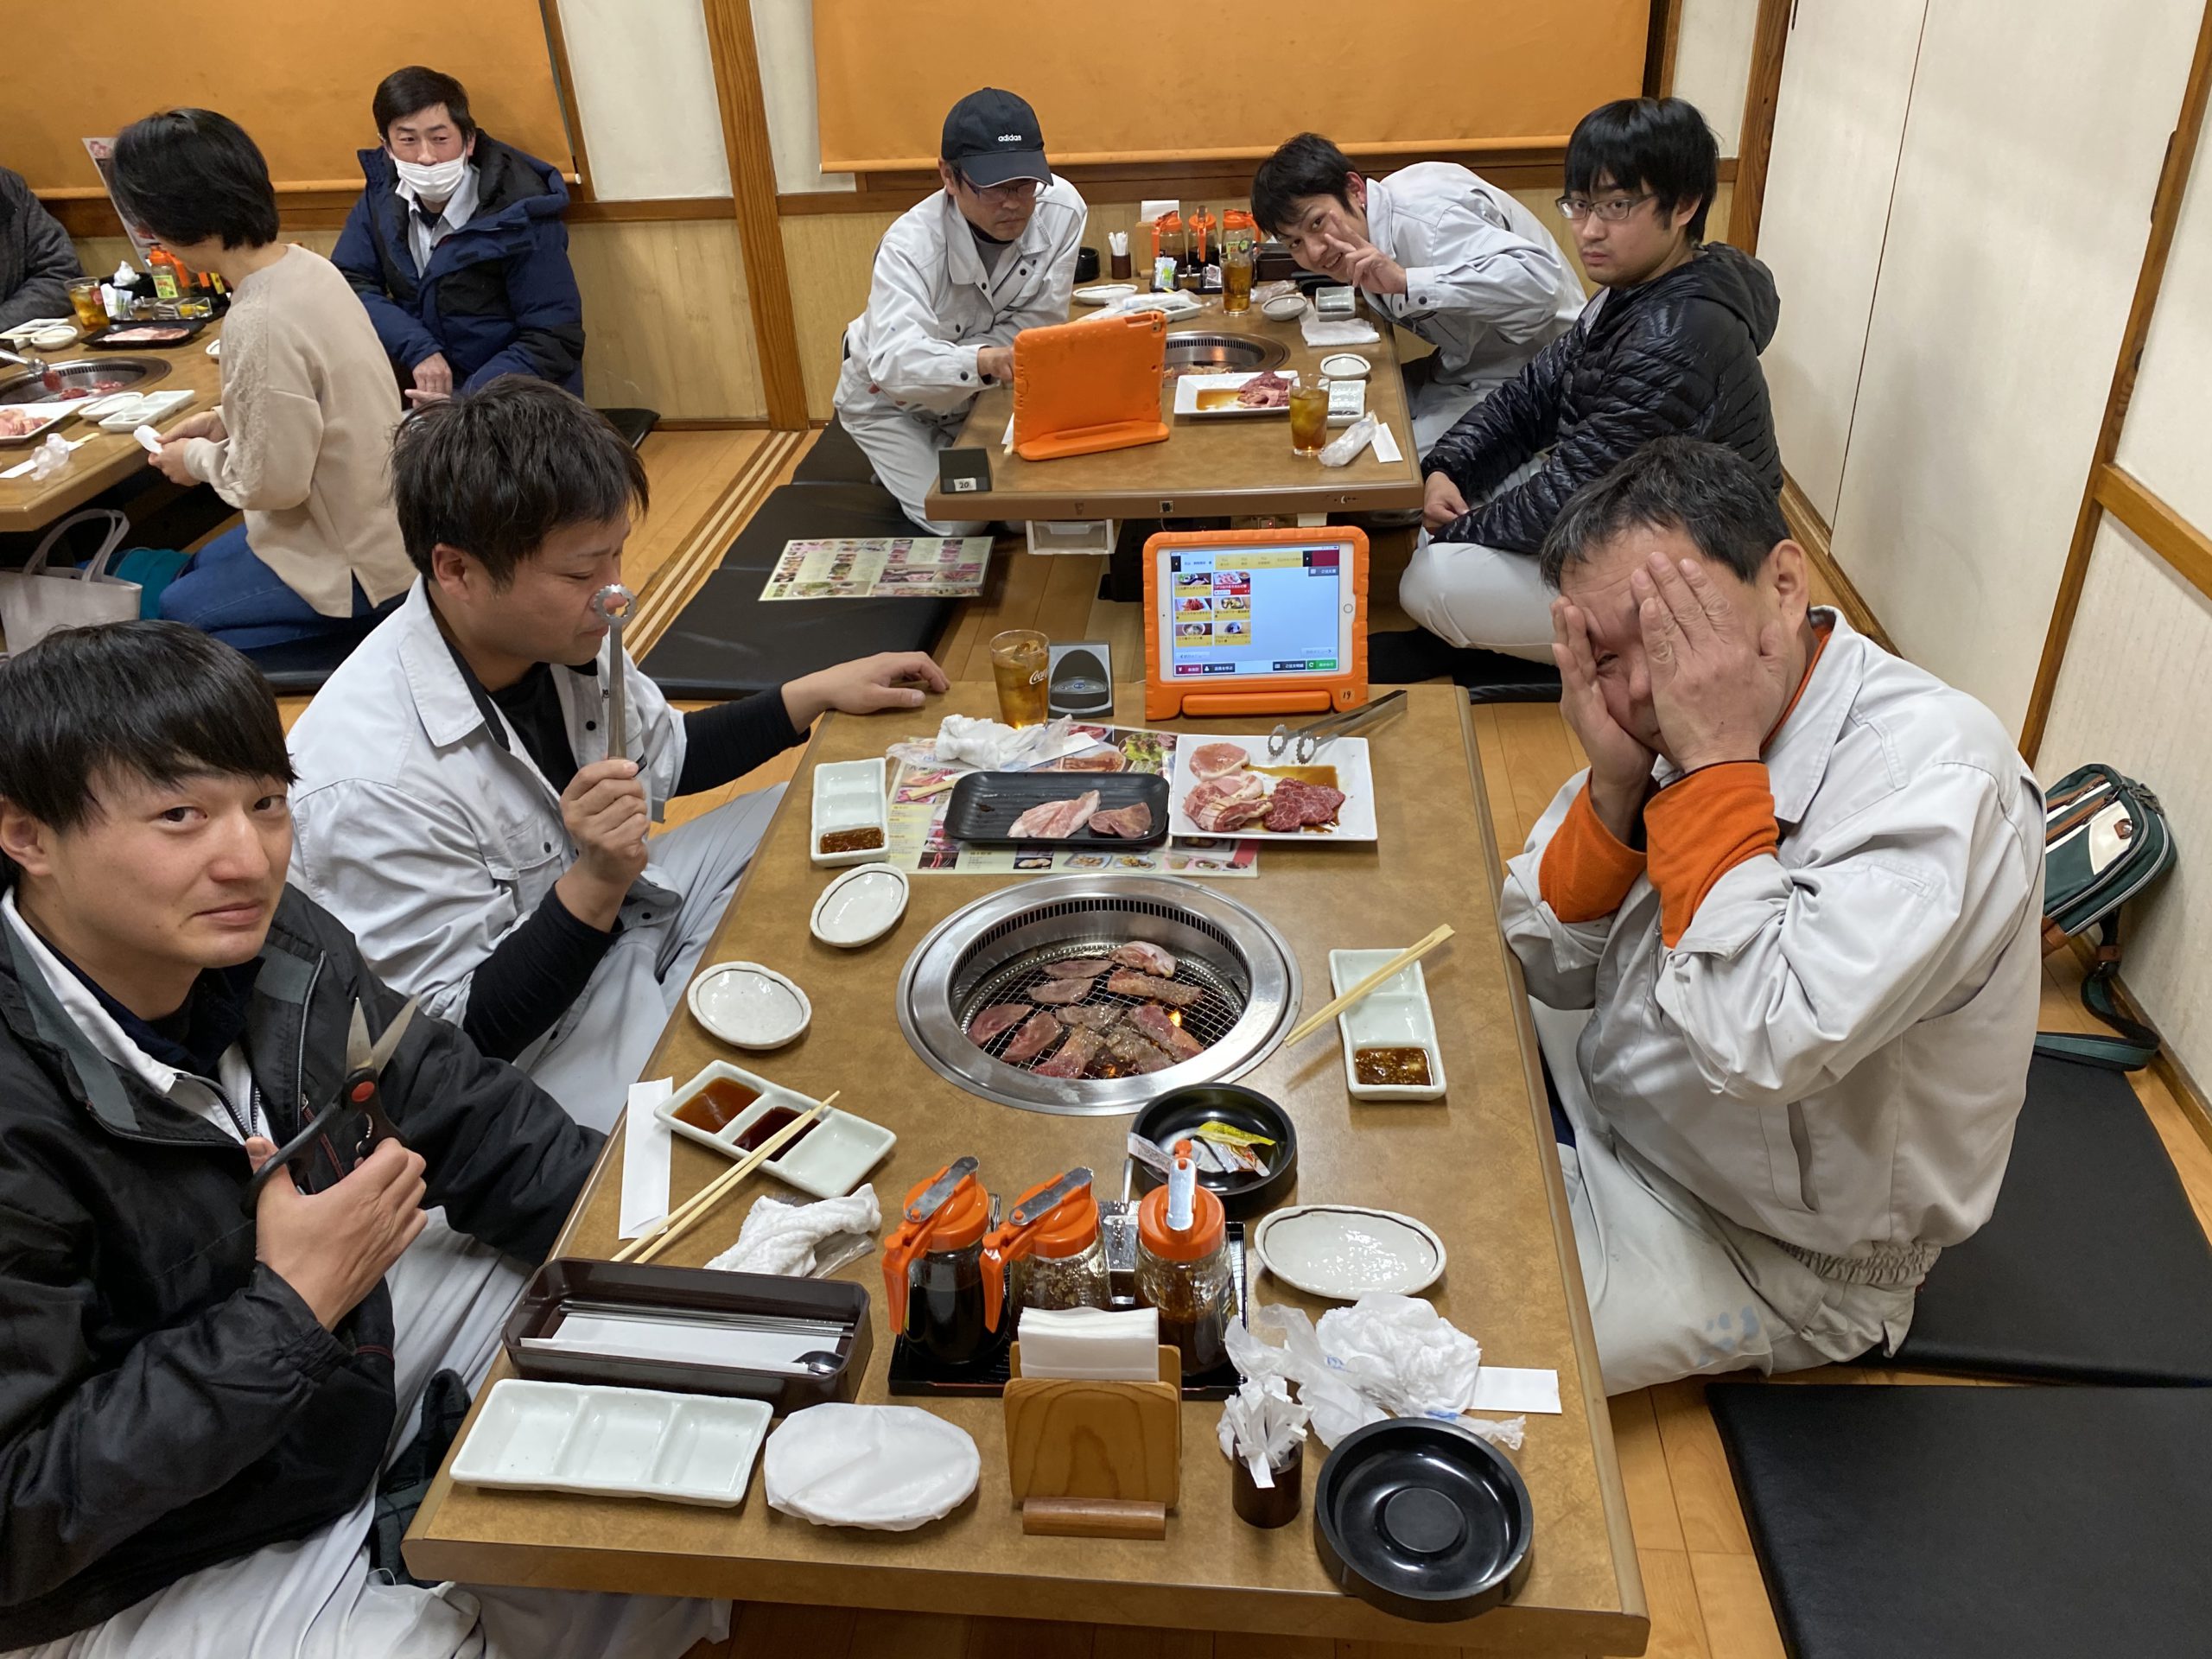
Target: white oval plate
x=1344, y=366
x=1104, y=293
x=1344, y=1252
x=749, y=1005
x=859, y=906
x=1285, y=307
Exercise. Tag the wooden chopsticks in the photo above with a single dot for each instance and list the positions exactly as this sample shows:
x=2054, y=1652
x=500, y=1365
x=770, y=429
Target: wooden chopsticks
x=1329, y=1011
x=646, y=1246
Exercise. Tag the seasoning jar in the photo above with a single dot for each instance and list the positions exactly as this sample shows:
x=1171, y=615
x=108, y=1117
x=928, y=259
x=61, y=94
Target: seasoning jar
x=933, y=1267
x=1049, y=1245
x=1182, y=1267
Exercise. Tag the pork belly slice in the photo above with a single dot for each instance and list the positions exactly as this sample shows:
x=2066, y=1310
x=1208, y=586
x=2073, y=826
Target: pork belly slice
x=1146, y=958
x=1055, y=820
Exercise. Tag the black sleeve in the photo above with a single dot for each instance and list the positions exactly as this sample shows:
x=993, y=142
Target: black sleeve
x=1506, y=428
x=531, y=978
x=730, y=739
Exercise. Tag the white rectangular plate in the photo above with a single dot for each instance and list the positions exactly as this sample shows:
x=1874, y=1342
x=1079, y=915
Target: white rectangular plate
x=1355, y=818
x=848, y=795
x=144, y=409
x=828, y=1161
x=1394, y=1015
x=49, y=417
x=1187, y=390
x=566, y=1437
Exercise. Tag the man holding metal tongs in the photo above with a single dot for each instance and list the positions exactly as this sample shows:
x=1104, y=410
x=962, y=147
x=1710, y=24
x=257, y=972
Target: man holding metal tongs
x=477, y=780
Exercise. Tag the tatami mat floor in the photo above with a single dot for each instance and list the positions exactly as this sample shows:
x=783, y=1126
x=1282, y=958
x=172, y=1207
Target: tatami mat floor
x=1701, y=1579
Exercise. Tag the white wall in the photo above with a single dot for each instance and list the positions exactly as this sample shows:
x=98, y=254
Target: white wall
x=2167, y=441
x=1713, y=63
x=783, y=31
x=2031, y=152
x=645, y=86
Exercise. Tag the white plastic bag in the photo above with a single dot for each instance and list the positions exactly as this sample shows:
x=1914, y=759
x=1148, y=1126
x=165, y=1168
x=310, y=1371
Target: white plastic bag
x=36, y=602
x=886, y=1468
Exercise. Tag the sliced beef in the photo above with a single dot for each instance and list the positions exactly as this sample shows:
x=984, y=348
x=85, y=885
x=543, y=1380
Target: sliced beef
x=1091, y=1016
x=1055, y=820
x=1078, y=967
x=1295, y=804
x=1074, y=1056
x=1041, y=1032
x=995, y=1021
x=1155, y=990
x=1218, y=760
x=1153, y=1021
x=1061, y=993
x=1127, y=821
x=1146, y=958
x=1132, y=1051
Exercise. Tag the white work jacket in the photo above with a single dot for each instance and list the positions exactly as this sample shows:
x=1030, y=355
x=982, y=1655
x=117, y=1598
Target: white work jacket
x=1486, y=284
x=933, y=303
x=422, y=822
x=1835, y=1052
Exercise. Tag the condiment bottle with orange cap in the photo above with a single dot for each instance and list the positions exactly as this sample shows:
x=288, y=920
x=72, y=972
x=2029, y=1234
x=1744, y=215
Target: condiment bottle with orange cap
x=1050, y=1243
x=933, y=1267
x=1182, y=1267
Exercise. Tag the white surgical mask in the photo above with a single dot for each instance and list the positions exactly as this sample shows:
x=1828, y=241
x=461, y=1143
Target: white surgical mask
x=435, y=182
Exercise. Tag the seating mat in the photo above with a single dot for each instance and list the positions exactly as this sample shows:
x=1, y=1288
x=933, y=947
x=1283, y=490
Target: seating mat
x=834, y=458
x=1412, y=656
x=2092, y=1268
x=1962, y=1523
x=727, y=644
x=300, y=667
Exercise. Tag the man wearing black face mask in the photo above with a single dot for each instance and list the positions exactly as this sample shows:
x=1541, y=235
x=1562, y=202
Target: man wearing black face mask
x=457, y=248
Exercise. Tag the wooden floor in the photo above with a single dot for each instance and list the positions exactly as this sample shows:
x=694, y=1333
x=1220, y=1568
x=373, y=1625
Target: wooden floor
x=1702, y=1581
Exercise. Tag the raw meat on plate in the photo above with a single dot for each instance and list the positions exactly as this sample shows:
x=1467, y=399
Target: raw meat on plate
x=1267, y=390
x=1220, y=805
x=1041, y=1032
x=1217, y=759
x=1055, y=820
x=1147, y=958
x=1130, y=823
x=1155, y=1024
x=1295, y=804
x=994, y=1021
x=1155, y=990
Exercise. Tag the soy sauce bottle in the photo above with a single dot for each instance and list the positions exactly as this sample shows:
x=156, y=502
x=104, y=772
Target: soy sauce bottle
x=933, y=1275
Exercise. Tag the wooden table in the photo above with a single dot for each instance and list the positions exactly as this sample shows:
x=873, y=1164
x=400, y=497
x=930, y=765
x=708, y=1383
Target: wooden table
x=110, y=457
x=1479, y=1167
x=1206, y=469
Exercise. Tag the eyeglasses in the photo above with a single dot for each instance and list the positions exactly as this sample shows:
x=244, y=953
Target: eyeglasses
x=1011, y=190
x=1613, y=211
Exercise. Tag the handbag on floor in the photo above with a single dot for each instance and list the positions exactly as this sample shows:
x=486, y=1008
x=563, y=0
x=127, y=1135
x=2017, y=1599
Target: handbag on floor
x=36, y=602
x=2106, y=839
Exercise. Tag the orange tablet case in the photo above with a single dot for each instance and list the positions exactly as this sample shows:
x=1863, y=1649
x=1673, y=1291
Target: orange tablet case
x=1165, y=698
x=1082, y=387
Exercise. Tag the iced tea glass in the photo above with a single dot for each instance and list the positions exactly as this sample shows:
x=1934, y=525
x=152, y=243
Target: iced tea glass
x=1309, y=417
x=1236, y=277
x=1020, y=659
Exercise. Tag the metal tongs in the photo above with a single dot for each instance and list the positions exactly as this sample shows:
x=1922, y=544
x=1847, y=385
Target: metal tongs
x=1309, y=739
x=360, y=1092
x=612, y=605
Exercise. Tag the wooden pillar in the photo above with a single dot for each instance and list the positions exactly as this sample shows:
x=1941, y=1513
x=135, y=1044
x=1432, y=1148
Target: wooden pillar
x=1757, y=138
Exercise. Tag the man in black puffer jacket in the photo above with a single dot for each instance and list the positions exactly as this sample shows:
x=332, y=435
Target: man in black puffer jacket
x=1669, y=348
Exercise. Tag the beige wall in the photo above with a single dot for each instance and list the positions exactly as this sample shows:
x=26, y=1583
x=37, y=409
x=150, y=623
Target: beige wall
x=1712, y=62
x=644, y=87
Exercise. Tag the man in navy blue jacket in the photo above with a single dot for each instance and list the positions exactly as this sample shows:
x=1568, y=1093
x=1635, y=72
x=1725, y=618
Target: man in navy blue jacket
x=457, y=248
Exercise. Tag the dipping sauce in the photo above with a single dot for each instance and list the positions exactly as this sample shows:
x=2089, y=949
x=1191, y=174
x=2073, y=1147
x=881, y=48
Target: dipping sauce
x=1396, y=1067
x=1319, y=777
x=769, y=1123
x=852, y=841
x=719, y=1105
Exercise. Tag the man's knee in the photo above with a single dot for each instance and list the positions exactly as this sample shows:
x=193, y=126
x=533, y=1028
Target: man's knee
x=1424, y=592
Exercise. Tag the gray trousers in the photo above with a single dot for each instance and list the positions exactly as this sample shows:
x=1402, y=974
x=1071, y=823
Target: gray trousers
x=902, y=448
x=1468, y=594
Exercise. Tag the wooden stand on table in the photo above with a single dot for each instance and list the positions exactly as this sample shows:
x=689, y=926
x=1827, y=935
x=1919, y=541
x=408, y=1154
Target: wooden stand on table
x=1096, y=1459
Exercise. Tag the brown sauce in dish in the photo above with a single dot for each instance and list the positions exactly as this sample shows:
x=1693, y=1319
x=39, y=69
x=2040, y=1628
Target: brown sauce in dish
x=852, y=841
x=718, y=1105
x=1400, y=1067
x=769, y=1123
x=1319, y=777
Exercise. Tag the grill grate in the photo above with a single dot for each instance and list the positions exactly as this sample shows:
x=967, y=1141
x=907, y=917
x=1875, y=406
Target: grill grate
x=1208, y=1021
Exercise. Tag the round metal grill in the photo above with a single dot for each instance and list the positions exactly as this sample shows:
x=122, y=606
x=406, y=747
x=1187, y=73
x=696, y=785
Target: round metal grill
x=996, y=950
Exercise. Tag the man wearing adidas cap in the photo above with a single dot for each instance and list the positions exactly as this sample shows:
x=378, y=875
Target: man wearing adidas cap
x=956, y=278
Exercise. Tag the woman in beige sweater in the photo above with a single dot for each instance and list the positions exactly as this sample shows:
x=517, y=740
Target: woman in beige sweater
x=301, y=440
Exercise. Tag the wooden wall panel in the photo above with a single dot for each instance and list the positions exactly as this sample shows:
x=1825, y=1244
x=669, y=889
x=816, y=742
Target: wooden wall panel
x=2167, y=441
x=2132, y=693
x=1846, y=83
x=667, y=321
x=2031, y=157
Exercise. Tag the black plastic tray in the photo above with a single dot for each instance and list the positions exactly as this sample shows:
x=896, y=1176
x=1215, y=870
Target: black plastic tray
x=192, y=327
x=985, y=805
x=914, y=1372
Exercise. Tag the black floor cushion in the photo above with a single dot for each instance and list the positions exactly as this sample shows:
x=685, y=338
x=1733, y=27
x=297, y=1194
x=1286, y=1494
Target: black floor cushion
x=833, y=458
x=1412, y=656
x=1959, y=1522
x=301, y=666
x=2092, y=1268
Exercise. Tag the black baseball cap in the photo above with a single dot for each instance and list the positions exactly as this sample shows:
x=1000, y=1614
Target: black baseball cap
x=993, y=137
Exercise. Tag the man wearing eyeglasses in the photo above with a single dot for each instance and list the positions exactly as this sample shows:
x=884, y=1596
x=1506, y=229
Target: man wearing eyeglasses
x=956, y=278
x=1669, y=346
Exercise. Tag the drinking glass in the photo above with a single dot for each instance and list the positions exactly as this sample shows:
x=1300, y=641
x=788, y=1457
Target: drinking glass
x=1020, y=660
x=1309, y=417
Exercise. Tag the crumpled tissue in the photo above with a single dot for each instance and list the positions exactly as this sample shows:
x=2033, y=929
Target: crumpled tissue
x=1335, y=333
x=801, y=1240
x=51, y=456
x=992, y=746
x=1383, y=1356
x=1342, y=449
x=1261, y=1426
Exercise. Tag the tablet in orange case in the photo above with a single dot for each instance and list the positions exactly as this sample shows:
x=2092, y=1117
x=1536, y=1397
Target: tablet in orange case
x=1082, y=387
x=1254, y=621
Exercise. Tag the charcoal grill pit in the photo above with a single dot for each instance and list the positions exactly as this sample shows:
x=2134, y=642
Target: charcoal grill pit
x=994, y=950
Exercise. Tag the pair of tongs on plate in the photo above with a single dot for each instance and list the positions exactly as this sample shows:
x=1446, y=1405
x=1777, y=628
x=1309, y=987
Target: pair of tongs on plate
x=1305, y=741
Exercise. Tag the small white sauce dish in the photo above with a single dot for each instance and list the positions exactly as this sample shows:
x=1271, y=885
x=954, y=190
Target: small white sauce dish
x=1284, y=307
x=749, y=1005
x=1344, y=366
x=859, y=906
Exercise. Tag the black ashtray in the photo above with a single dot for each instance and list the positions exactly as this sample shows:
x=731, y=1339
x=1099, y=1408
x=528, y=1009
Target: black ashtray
x=1177, y=1114
x=1423, y=1519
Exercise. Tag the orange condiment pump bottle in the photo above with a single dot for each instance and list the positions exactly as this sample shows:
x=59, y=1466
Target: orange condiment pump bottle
x=1202, y=224
x=941, y=1233
x=1057, y=1223
x=1238, y=227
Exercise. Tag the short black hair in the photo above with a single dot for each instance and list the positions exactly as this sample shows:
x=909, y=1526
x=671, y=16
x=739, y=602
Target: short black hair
x=188, y=176
x=1309, y=165
x=154, y=700
x=1707, y=490
x=1659, y=144
x=495, y=471
x=405, y=90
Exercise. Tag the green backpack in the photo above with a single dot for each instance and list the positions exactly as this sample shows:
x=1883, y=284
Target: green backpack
x=2105, y=840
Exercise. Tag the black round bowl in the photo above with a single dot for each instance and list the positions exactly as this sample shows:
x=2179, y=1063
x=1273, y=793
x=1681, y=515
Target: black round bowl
x=1423, y=1519
x=1179, y=1113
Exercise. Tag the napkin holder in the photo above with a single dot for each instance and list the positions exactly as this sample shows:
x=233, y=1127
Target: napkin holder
x=1093, y=1460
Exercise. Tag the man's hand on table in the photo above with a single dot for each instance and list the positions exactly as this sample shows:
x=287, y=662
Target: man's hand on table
x=1620, y=766
x=605, y=811
x=1719, y=679
x=995, y=363
x=867, y=685
x=333, y=1247
x=1363, y=265
x=1441, y=503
